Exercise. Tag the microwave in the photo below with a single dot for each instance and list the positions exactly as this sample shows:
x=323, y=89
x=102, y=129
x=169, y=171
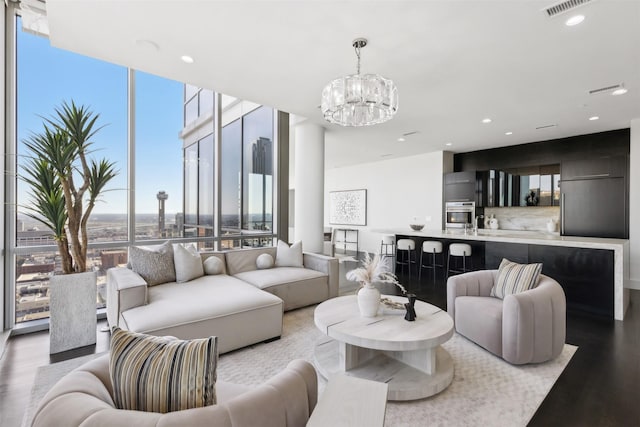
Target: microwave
x=459, y=214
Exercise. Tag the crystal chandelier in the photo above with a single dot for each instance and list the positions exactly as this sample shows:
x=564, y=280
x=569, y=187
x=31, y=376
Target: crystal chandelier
x=359, y=99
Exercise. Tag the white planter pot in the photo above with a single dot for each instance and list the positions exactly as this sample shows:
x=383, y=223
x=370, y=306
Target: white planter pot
x=368, y=300
x=72, y=300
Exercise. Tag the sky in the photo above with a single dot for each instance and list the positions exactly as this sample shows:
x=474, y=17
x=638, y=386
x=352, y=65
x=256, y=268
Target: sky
x=48, y=76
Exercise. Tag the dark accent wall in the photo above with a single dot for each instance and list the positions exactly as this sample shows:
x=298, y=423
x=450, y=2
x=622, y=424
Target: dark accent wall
x=554, y=151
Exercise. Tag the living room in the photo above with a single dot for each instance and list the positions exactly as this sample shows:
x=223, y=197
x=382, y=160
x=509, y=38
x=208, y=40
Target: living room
x=472, y=77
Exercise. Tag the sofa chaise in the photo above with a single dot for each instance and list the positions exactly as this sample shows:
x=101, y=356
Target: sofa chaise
x=242, y=305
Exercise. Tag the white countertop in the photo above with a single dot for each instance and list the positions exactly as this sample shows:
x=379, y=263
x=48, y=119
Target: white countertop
x=515, y=236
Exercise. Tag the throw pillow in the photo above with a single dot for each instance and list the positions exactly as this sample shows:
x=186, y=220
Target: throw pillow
x=155, y=265
x=514, y=278
x=161, y=374
x=213, y=265
x=264, y=261
x=187, y=262
x=289, y=256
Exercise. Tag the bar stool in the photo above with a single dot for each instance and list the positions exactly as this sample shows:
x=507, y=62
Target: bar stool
x=458, y=250
x=432, y=248
x=404, y=249
x=388, y=247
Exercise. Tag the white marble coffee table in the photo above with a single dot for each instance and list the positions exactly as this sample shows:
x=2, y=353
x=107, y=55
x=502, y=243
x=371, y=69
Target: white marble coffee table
x=387, y=348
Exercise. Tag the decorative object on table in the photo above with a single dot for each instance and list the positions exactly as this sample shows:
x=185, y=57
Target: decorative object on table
x=373, y=269
x=552, y=225
x=410, y=306
x=493, y=223
x=359, y=99
x=64, y=185
x=348, y=207
x=416, y=223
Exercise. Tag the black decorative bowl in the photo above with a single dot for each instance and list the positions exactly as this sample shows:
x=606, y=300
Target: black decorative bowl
x=416, y=227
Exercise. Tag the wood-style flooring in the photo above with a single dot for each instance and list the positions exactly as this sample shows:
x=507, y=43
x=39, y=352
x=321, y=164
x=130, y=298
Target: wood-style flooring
x=599, y=387
x=601, y=384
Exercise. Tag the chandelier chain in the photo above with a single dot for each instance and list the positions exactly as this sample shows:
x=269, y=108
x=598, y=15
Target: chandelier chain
x=357, y=48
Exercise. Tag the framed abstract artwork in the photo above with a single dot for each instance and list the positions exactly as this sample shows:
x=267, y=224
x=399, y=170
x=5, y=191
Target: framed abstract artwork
x=348, y=207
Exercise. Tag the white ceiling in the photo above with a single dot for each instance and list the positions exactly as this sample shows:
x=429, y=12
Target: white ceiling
x=454, y=62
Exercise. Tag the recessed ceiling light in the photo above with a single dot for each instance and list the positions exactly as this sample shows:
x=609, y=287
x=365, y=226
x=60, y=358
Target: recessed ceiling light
x=487, y=120
x=448, y=144
x=592, y=118
x=574, y=20
x=508, y=133
x=401, y=139
x=620, y=91
x=187, y=59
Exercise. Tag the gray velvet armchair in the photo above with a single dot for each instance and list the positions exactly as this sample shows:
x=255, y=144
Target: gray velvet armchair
x=529, y=327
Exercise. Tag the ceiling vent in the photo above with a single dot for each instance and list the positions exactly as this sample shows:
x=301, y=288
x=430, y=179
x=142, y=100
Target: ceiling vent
x=546, y=127
x=604, y=89
x=565, y=6
x=410, y=133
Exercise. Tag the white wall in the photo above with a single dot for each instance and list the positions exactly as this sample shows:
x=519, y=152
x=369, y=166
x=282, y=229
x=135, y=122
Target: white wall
x=634, y=206
x=397, y=190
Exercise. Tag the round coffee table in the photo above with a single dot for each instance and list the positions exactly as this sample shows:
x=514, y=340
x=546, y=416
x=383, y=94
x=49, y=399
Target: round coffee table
x=386, y=348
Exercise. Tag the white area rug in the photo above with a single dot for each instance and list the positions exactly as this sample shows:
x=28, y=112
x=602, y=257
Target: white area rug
x=486, y=391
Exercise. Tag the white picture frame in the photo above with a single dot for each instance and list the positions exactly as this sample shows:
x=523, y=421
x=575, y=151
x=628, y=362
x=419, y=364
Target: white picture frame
x=348, y=207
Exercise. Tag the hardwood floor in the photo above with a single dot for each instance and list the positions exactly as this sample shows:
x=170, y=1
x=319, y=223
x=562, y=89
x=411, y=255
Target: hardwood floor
x=599, y=387
x=23, y=355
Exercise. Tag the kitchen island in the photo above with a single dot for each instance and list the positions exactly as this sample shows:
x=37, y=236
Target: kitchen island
x=591, y=270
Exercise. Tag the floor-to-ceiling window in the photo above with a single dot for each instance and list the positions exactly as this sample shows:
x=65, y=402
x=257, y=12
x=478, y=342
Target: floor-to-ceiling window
x=47, y=77
x=158, y=157
x=167, y=190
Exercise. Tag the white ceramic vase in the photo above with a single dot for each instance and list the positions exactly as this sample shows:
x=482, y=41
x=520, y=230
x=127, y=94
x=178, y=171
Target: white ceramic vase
x=368, y=300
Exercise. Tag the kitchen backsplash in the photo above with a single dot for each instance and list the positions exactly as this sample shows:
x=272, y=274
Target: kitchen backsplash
x=525, y=218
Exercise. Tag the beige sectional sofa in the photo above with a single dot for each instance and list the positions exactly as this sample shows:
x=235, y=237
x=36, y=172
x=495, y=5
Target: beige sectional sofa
x=241, y=306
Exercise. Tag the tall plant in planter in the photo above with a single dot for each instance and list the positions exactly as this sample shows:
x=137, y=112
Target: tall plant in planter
x=64, y=182
x=64, y=185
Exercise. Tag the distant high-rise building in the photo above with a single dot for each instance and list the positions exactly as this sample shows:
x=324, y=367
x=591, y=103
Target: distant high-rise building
x=113, y=258
x=162, y=196
x=262, y=156
x=179, y=222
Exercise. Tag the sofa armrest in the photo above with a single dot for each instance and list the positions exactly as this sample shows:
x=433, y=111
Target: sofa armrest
x=474, y=283
x=324, y=264
x=125, y=289
x=534, y=323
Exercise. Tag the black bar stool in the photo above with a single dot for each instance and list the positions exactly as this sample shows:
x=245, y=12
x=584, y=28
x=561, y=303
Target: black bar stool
x=458, y=250
x=405, y=254
x=431, y=248
x=388, y=247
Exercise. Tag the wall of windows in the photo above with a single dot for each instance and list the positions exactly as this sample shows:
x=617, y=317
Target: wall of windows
x=168, y=158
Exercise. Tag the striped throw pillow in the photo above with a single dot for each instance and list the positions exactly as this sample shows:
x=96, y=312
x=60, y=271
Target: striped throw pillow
x=514, y=278
x=162, y=374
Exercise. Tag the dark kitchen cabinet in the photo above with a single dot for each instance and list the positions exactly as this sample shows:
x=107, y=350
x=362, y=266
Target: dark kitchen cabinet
x=593, y=168
x=586, y=275
x=594, y=194
x=494, y=252
x=461, y=187
x=594, y=208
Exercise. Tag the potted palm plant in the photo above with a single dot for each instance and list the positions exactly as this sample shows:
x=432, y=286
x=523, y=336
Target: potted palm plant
x=64, y=185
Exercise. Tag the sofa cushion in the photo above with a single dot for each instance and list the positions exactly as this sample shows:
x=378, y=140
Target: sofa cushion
x=242, y=260
x=297, y=287
x=264, y=261
x=160, y=374
x=187, y=262
x=213, y=265
x=514, y=278
x=480, y=320
x=289, y=256
x=154, y=264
